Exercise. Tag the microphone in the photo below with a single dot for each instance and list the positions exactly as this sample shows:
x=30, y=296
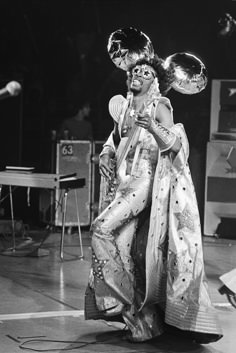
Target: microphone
x=12, y=89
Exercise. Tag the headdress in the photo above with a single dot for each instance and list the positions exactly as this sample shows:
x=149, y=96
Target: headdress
x=184, y=72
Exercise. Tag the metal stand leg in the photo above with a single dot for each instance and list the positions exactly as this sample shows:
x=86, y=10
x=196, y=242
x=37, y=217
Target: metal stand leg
x=12, y=220
x=64, y=207
x=63, y=223
x=79, y=229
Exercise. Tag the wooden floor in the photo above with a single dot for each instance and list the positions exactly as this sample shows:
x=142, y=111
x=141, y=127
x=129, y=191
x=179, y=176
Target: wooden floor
x=42, y=300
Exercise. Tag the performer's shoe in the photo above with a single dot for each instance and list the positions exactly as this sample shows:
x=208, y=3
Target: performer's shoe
x=130, y=338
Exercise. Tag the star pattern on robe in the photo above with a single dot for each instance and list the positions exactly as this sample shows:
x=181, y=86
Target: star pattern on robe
x=185, y=218
x=98, y=266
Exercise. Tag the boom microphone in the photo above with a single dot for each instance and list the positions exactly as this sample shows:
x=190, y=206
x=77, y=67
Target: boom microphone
x=12, y=89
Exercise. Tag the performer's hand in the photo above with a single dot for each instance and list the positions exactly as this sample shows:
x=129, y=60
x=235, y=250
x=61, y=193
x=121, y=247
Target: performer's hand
x=145, y=121
x=106, y=166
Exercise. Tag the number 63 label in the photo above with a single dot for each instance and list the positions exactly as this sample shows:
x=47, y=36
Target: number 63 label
x=67, y=150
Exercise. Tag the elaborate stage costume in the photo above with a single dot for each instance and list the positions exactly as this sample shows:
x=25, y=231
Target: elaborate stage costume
x=147, y=260
x=174, y=263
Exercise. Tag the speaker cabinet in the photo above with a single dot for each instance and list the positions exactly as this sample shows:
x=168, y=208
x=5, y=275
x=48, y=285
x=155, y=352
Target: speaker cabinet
x=74, y=157
x=223, y=110
x=220, y=185
x=82, y=158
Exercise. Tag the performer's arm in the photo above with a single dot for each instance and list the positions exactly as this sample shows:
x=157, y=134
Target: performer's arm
x=107, y=156
x=160, y=127
x=112, y=142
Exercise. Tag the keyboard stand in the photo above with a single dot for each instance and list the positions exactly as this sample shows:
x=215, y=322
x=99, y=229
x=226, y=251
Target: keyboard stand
x=12, y=251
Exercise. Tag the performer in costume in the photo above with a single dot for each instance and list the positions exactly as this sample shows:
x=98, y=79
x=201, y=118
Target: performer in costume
x=147, y=261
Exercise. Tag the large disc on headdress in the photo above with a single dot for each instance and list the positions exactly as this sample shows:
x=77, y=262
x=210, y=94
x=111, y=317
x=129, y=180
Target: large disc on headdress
x=190, y=74
x=127, y=45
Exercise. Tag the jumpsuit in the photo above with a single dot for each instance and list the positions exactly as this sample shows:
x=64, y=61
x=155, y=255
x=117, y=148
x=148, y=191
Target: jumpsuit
x=113, y=232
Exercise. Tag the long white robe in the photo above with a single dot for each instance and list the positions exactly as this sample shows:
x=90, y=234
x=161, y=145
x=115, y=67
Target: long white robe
x=174, y=265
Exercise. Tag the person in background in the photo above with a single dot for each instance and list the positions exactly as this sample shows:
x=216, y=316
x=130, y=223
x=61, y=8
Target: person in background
x=147, y=259
x=77, y=126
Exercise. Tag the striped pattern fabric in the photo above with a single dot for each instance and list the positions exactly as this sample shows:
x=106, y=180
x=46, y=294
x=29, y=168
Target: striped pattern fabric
x=115, y=106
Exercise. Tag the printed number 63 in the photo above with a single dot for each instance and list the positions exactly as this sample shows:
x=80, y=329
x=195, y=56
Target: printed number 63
x=67, y=150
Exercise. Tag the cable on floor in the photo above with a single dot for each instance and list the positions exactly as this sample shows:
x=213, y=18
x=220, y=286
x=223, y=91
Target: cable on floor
x=82, y=345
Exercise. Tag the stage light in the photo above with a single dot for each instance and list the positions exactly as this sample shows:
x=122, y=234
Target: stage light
x=228, y=24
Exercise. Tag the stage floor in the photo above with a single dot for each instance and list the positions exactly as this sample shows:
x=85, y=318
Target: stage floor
x=42, y=300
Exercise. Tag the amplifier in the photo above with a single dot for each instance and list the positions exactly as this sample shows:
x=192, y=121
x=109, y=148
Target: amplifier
x=80, y=157
x=72, y=156
x=223, y=110
x=220, y=185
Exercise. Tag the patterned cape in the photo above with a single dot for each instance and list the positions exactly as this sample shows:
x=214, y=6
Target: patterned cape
x=174, y=258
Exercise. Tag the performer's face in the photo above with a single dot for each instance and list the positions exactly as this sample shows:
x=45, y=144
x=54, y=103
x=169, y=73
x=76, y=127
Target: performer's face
x=142, y=77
